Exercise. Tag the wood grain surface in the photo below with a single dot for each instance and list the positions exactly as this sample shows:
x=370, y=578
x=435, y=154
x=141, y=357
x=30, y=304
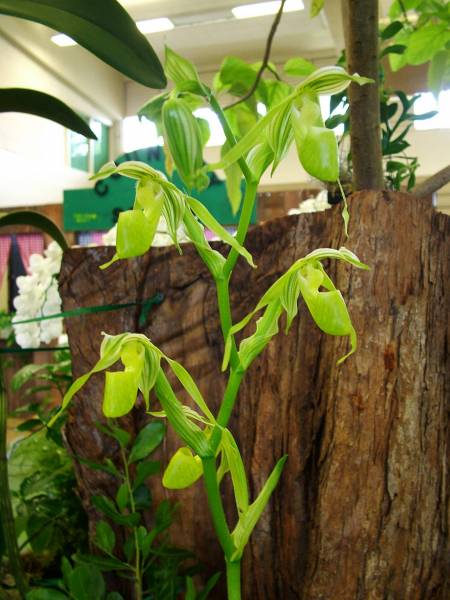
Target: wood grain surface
x=361, y=511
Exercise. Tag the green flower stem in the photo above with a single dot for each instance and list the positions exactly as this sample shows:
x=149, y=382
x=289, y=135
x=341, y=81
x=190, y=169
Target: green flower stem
x=244, y=222
x=229, y=134
x=223, y=300
x=137, y=568
x=6, y=510
x=226, y=408
x=236, y=373
x=216, y=506
x=234, y=580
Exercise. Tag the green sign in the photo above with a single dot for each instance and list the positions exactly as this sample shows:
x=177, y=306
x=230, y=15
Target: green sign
x=98, y=208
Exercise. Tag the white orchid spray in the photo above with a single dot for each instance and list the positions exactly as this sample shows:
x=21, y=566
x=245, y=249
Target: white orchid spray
x=39, y=296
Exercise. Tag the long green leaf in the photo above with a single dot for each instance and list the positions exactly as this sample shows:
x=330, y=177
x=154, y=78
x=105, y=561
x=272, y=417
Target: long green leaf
x=237, y=470
x=35, y=219
x=43, y=105
x=191, y=387
x=251, y=516
x=103, y=27
x=206, y=217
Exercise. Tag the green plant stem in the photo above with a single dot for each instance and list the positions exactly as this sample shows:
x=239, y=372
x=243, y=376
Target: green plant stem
x=244, y=223
x=226, y=408
x=137, y=568
x=223, y=301
x=236, y=373
x=223, y=294
x=6, y=511
x=234, y=580
x=229, y=134
x=216, y=506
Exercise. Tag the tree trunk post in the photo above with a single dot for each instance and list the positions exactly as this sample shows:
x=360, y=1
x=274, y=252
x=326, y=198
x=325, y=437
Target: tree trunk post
x=361, y=510
x=361, y=41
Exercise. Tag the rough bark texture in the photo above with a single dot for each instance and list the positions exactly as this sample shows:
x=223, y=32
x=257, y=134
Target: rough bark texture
x=433, y=183
x=361, y=46
x=361, y=509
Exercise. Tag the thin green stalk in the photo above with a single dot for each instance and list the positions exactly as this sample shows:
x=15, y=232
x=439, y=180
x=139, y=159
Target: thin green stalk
x=137, y=568
x=250, y=191
x=6, y=510
x=244, y=222
x=229, y=134
x=236, y=373
x=226, y=408
x=234, y=580
x=216, y=506
x=223, y=301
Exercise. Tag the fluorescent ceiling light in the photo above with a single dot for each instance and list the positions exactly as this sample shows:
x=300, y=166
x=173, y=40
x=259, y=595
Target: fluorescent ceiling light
x=155, y=25
x=61, y=39
x=261, y=9
x=147, y=26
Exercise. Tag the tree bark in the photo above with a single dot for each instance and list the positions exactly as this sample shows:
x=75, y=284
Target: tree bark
x=433, y=183
x=361, y=511
x=361, y=46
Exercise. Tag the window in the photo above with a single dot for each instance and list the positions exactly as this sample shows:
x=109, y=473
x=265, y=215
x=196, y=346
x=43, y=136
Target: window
x=89, y=155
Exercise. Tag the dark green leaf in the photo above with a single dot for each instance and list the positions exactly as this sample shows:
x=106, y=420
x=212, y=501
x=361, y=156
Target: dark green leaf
x=394, y=49
x=35, y=219
x=114, y=596
x=103, y=27
x=395, y=147
x=107, y=507
x=210, y=584
x=153, y=108
x=66, y=570
x=387, y=111
x=336, y=120
x=147, y=440
x=105, y=468
x=43, y=105
x=129, y=548
x=105, y=537
x=393, y=165
x=391, y=30
x=190, y=589
x=142, y=497
x=103, y=563
x=122, y=496
x=46, y=594
x=86, y=581
x=29, y=425
x=144, y=470
x=119, y=434
x=423, y=116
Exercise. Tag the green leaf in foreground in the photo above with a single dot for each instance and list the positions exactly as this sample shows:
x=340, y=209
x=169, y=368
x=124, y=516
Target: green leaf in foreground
x=147, y=440
x=35, y=219
x=250, y=517
x=86, y=581
x=43, y=105
x=102, y=27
